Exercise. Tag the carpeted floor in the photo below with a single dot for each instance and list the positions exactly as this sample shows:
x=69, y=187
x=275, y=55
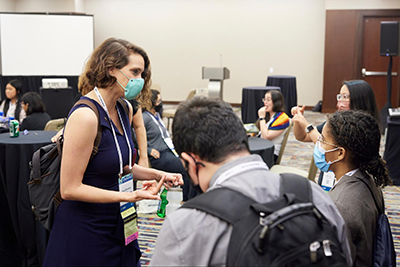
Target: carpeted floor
x=296, y=154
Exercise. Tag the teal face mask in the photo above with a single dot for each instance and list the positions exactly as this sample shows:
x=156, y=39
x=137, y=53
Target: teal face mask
x=133, y=88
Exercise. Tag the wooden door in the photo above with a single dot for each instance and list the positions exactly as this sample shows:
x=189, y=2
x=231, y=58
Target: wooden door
x=352, y=42
x=373, y=64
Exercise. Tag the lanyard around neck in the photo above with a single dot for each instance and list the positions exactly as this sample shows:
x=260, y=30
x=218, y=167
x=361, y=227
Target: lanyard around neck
x=243, y=167
x=103, y=104
x=160, y=124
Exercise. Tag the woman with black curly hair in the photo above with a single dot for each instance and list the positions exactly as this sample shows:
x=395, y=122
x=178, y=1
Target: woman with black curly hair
x=349, y=146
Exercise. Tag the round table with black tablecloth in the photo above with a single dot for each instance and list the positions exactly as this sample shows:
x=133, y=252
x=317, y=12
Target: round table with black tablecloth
x=263, y=147
x=288, y=90
x=22, y=238
x=252, y=101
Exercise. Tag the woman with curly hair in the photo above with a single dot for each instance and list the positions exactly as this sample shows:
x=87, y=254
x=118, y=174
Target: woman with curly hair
x=349, y=146
x=96, y=224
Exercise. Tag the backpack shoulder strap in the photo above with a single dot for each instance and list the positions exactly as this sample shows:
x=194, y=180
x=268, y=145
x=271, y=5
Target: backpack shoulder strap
x=124, y=104
x=372, y=194
x=96, y=111
x=224, y=203
x=297, y=185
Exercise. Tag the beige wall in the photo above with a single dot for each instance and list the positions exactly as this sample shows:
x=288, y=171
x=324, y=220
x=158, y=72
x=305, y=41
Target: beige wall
x=247, y=36
x=7, y=6
x=44, y=6
x=362, y=4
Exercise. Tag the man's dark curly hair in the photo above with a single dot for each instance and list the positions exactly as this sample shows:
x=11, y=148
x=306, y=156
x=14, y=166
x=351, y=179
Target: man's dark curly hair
x=208, y=128
x=358, y=132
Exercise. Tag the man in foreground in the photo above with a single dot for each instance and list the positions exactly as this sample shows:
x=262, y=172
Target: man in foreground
x=212, y=142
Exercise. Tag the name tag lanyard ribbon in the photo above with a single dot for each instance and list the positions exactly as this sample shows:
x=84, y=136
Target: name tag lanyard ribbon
x=128, y=211
x=167, y=139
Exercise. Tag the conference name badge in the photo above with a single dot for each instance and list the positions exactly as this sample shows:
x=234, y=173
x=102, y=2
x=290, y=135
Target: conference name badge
x=128, y=211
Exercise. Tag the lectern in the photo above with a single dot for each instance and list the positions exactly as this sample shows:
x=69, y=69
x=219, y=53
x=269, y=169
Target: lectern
x=216, y=77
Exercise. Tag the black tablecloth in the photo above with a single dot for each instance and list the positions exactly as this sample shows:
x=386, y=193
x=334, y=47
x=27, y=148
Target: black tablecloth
x=252, y=101
x=392, y=150
x=288, y=89
x=263, y=147
x=22, y=238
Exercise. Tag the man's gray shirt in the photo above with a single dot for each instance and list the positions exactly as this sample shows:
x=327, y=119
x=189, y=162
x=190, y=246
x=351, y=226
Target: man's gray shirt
x=191, y=237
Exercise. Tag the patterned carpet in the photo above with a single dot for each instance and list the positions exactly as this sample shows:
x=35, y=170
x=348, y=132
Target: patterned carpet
x=149, y=226
x=296, y=154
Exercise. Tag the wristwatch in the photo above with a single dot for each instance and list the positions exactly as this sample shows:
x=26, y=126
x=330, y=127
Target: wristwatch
x=261, y=119
x=309, y=128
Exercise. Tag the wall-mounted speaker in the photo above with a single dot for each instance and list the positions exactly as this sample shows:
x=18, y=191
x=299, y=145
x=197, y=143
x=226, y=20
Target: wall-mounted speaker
x=390, y=32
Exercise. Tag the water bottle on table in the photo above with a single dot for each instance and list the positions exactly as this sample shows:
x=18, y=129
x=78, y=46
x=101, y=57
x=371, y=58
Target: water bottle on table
x=2, y=119
x=174, y=197
x=162, y=205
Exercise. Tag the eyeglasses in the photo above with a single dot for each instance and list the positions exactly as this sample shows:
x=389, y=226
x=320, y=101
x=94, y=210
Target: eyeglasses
x=340, y=97
x=324, y=142
x=265, y=99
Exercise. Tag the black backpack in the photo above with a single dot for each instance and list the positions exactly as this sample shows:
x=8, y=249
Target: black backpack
x=384, y=252
x=289, y=231
x=44, y=182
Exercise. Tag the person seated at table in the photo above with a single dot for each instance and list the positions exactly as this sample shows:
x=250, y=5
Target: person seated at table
x=11, y=106
x=349, y=146
x=160, y=149
x=34, y=108
x=273, y=121
x=353, y=95
x=139, y=137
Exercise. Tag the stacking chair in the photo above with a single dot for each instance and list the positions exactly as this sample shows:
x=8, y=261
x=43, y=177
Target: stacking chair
x=310, y=175
x=55, y=125
x=283, y=145
x=170, y=113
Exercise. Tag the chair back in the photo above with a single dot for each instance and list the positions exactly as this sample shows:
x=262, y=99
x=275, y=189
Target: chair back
x=191, y=94
x=55, y=125
x=283, y=145
x=312, y=171
x=310, y=175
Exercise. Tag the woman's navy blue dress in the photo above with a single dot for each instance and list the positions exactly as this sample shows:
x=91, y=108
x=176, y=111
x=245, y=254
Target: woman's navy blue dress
x=92, y=234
